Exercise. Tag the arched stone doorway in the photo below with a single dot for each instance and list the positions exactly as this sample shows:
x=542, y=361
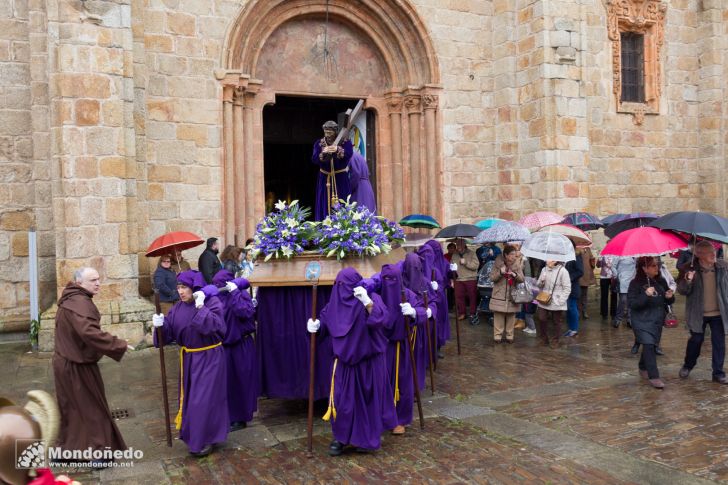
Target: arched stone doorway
x=379, y=51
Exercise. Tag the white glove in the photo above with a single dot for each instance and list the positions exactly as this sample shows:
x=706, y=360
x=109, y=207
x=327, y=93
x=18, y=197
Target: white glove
x=434, y=285
x=313, y=325
x=360, y=293
x=429, y=313
x=453, y=266
x=158, y=320
x=407, y=310
x=199, y=299
x=130, y=347
x=231, y=286
x=255, y=302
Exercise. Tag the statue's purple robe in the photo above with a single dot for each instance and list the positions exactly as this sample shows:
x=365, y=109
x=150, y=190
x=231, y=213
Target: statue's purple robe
x=239, y=345
x=361, y=188
x=414, y=280
x=391, y=293
x=204, y=408
x=445, y=275
x=341, y=162
x=362, y=396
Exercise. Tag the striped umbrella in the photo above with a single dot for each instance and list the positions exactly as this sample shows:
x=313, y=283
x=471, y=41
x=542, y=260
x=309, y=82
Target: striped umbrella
x=420, y=221
x=504, y=232
x=583, y=220
x=488, y=223
x=539, y=219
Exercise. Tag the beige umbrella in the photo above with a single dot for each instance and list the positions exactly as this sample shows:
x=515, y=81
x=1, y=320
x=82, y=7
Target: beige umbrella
x=579, y=237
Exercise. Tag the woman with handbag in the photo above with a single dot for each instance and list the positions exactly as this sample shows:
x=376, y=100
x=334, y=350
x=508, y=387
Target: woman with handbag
x=670, y=315
x=555, y=287
x=648, y=297
x=506, y=273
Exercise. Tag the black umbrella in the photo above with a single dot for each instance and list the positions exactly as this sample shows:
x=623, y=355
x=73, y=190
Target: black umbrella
x=641, y=219
x=458, y=230
x=704, y=224
x=612, y=218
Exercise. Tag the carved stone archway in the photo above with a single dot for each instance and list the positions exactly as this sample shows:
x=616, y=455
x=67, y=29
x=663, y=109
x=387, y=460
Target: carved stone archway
x=394, y=44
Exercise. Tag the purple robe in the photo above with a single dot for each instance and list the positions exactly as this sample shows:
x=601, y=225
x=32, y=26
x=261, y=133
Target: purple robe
x=445, y=275
x=441, y=330
x=341, y=162
x=362, y=397
x=204, y=407
x=283, y=343
x=414, y=280
x=361, y=188
x=399, y=377
x=240, y=355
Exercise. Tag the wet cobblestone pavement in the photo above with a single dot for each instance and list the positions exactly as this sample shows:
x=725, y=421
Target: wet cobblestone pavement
x=520, y=413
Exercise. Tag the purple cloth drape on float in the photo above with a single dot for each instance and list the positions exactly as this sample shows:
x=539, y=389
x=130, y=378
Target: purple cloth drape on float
x=284, y=345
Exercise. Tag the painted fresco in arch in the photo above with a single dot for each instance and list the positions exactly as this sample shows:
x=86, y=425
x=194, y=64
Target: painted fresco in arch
x=292, y=59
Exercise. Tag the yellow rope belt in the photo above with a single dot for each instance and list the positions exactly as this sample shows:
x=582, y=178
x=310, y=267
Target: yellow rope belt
x=332, y=193
x=332, y=409
x=182, y=351
x=345, y=169
x=396, y=377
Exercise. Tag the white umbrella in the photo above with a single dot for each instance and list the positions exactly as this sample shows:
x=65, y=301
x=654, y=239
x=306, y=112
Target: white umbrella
x=504, y=232
x=548, y=246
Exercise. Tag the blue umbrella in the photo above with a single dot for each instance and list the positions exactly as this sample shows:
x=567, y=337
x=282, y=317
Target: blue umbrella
x=420, y=221
x=488, y=223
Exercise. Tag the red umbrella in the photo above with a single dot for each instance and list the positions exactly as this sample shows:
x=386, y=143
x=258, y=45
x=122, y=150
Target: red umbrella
x=643, y=241
x=173, y=242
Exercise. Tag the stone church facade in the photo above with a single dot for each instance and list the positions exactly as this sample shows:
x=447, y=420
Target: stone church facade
x=124, y=119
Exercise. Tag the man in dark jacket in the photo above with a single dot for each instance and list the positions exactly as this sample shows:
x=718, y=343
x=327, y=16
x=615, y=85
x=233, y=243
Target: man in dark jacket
x=706, y=286
x=576, y=271
x=209, y=264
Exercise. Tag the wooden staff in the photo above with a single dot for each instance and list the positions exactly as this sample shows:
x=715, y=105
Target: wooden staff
x=160, y=341
x=413, y=364
x=312, y=276
x=432, y=278
x=429, y=346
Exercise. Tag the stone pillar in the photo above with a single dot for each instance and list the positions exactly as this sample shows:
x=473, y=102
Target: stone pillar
x=413, y=104
x=394, y=103
x=430, y=103
x=93, y=153
x=228, y=171
x=238, y=170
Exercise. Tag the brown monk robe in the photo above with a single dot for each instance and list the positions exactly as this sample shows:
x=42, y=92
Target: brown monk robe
x=79, y=344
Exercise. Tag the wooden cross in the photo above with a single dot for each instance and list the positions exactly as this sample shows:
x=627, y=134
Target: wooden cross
x=351, y=115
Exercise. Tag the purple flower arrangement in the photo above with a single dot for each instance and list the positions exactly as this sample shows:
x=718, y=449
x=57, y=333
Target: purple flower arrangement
x=354, y=230
x=284, y=232
x=349, y=230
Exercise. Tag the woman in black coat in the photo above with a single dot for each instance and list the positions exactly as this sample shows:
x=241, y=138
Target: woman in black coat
x=165, y=281
x=648, y=296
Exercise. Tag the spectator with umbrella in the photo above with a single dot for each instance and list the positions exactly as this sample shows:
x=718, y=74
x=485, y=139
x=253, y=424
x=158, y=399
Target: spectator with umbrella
x=575, y=269
x=165, y=281
x=465, y=263
x=506, y=273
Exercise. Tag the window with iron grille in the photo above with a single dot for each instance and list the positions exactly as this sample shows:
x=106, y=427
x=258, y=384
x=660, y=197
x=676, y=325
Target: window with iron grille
x=633, y=76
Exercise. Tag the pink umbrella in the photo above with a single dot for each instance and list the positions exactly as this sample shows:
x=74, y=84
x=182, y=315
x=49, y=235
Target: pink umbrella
x=643, y=241
x=539, y=219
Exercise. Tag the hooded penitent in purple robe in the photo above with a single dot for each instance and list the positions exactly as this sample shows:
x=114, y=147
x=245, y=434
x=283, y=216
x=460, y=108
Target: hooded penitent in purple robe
x=414, y=280
x=361, y=403
x=444, y=274
x=440, y=330
x=361, y=188
x=239, y=345
x=204, y=411
x=340, y=177
x=398, y=359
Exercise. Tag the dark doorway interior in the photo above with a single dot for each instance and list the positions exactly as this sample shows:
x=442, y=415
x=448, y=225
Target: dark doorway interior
x=290, y=128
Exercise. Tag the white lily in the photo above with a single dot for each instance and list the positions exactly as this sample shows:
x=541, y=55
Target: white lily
x=280, y=205
x=287, y=251
x=291, y=222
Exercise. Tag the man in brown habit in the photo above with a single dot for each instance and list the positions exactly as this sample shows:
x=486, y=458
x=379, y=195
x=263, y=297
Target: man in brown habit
x=79, y=344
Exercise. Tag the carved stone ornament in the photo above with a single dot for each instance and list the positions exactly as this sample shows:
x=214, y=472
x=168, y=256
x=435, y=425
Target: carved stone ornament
x=430, y=101
x=646, y=17
x=412, y=103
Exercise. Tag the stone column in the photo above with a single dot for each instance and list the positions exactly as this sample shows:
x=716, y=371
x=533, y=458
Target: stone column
x=413, y=104
x=430, y=103
x=228, y=173
x=394, y=103
x=238, y=176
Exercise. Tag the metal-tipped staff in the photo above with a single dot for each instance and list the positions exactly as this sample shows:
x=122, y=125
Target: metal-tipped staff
x=413, y=363
x=313, y=271
x=429, y=345
x=160, y=341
